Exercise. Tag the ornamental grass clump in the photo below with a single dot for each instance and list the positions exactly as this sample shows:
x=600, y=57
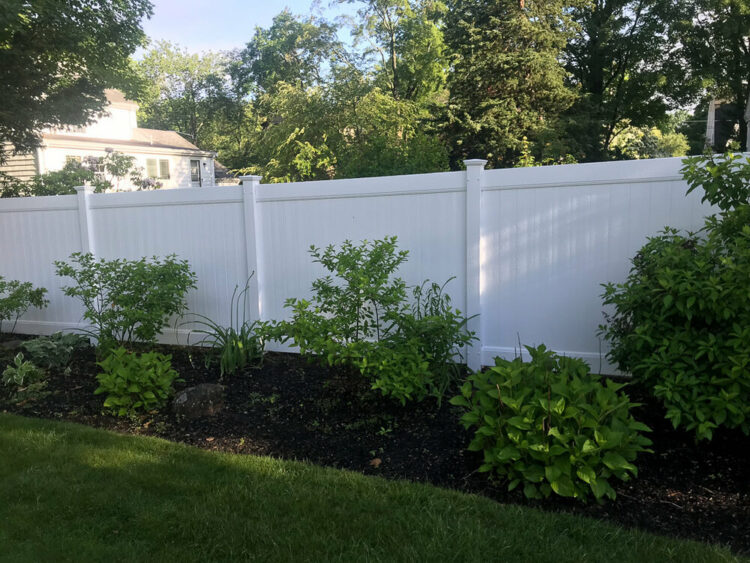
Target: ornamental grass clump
x=551, y=426
x=680, y=322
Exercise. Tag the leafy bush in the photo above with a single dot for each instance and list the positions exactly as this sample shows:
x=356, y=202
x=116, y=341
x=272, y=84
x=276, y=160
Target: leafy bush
x=550, y=425
x=242, y=343
x=364, y=322
x=55, y=351
x=18, y=297
x=25, y=382
x=681, y=320
x=135, y=382
x=127, y=300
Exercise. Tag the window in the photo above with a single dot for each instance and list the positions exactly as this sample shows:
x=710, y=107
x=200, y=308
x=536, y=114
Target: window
x=70, y=158
x=195, y=170
x=157, y=168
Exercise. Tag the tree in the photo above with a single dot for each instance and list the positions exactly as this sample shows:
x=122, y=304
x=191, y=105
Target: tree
x=714, y=53
x=407, y=40
x=618, y=61
x=185, y=92
x=57, y=58
x=507, y=82
x=292, y=50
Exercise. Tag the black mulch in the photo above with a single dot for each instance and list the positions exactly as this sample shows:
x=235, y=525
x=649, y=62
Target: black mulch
x=294, y=410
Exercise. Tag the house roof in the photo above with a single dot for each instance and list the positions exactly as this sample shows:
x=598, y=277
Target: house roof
x=141, y=138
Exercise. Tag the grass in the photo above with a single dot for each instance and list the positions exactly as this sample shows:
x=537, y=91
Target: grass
x=72, y=493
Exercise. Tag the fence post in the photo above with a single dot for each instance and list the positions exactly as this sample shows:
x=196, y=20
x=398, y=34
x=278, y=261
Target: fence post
x=474, y=173
x=252, y=242
x=84, y=218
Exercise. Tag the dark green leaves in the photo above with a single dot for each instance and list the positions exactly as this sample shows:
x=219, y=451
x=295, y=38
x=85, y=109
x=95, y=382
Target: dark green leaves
x=681, y=320
x=552, y=425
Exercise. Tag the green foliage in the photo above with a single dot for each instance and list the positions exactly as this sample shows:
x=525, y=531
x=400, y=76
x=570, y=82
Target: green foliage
x=352, y=311
x=17, y=297
x=242, y=343
x=56, y=351
x=135, y=382
x=506, y=81
x=641, y=142
x=362, y=320
x=549, y=425
x=57, y=59
x=187, y=93
x=103, y=173
x=127, y=300
x=681, y=318
x=24, y=381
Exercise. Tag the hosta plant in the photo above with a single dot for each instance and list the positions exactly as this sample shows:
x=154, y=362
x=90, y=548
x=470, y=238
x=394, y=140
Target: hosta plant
x=135, y=382
x=24, y=381
x=550, y=426
x=56, y=351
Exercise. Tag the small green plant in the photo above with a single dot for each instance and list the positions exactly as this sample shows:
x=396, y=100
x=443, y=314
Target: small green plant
x=56, y=351
x=134, y=382
x=25, y=381
x=549, y=425
x=361, y=319
x=680, y=322
x=17, y=297
x=242, y=343
x=127, y=300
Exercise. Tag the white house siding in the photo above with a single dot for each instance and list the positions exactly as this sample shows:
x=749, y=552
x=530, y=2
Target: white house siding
x=54, y=158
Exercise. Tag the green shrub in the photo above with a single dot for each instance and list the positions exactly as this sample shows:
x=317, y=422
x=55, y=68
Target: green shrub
x=135, y=382
x=363, y=320
x=681, y=320
x=18, y=297
x=549, y=425
x=56, y=351
x=127, y=300
x=24, y=381
x=242, y=343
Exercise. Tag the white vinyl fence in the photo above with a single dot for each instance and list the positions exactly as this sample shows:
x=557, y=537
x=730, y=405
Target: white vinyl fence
x=528, y=247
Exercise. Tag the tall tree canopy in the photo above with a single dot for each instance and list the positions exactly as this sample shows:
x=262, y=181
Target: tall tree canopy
x=407, y=40
x=57, y=57
x=184, y=92
x=713, y=52
x=506, y=81
x=618, y=60
x=293, y=50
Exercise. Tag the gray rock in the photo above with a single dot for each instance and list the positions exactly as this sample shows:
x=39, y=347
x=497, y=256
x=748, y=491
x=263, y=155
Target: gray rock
x=206, y=399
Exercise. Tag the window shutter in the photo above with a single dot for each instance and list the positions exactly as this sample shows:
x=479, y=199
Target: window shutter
x=164, y=169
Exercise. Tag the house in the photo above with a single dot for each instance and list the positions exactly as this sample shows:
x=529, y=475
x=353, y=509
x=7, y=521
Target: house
x=164, y=156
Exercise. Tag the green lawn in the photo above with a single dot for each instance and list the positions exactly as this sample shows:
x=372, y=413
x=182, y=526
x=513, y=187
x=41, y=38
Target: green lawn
x=71, y=493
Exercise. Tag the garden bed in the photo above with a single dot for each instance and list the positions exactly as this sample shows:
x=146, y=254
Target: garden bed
x=295, y=410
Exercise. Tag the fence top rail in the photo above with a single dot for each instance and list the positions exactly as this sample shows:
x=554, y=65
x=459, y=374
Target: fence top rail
x=38, y=203
x=409, y=184
x=589, y=174
x=182, y=196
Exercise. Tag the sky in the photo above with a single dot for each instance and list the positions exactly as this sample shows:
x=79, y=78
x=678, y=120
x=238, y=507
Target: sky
x=218, y=25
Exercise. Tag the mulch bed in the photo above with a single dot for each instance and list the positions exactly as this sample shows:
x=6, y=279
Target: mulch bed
x=294, y=410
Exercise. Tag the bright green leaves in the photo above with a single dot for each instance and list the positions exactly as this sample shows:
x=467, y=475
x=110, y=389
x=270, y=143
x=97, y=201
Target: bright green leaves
x=552, y=425
x=24, y=381
x=18, y=297
x=135, y=382
x=127, y=300
x=681, y=321
x=359, y=316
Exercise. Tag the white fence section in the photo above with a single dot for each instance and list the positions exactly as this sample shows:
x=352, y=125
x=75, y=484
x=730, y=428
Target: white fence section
x=529, y=247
